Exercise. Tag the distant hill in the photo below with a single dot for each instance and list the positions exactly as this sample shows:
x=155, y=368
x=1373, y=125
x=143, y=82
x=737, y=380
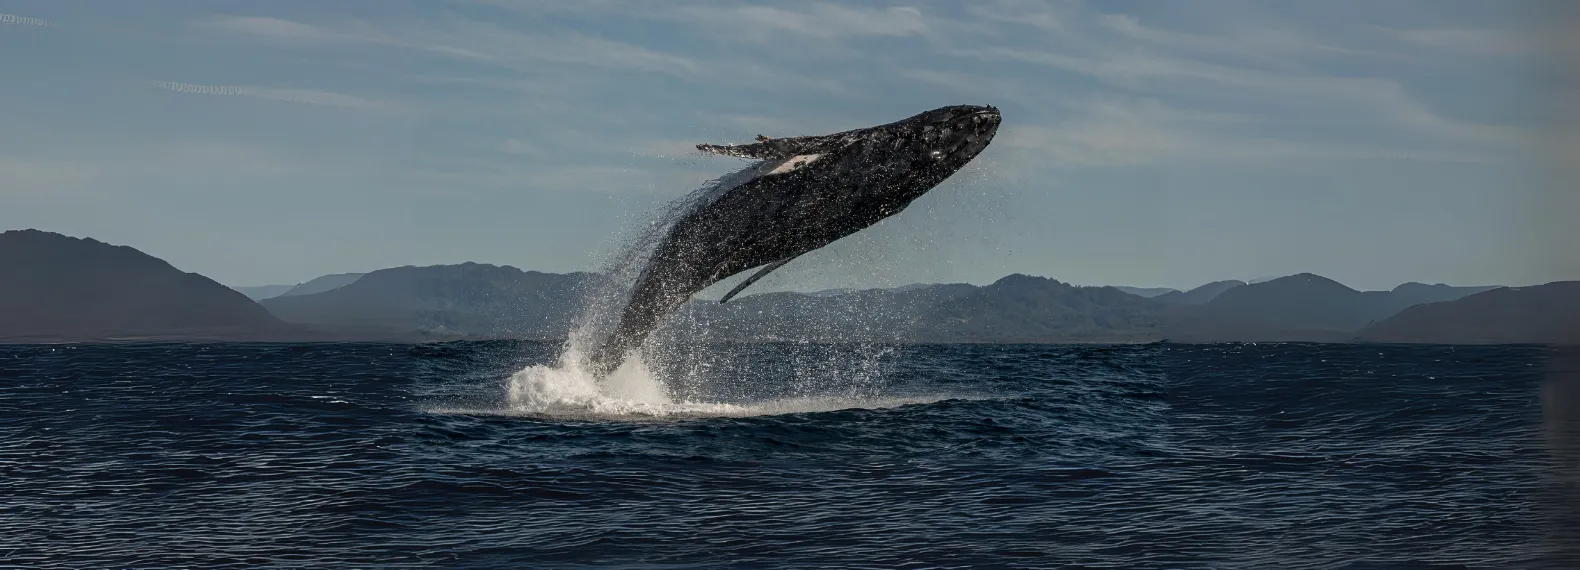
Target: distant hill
x=324, y=283
x=1200, y=295
x=1015, y=309
x=261, y=292
x=1147, y=292
x=316, y=285
x=1417, y=293
x=1303, y=307
x=60, y=288
x=1545, y=314
x=465, y=299
x=1023, y=308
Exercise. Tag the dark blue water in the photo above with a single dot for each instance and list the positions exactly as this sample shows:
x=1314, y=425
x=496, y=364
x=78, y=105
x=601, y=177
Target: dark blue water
x=1158, y=456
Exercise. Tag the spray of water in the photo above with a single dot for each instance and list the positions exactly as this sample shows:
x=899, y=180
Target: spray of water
x=568, y=386
x=689, y=369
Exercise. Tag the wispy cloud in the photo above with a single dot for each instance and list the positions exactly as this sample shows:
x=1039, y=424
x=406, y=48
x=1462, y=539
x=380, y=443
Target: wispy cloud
x=171, y=162
x=1127, y=132
x=1043, y=15
x=491, y=42
x=471, y=40
x=1468, y=40
x=1256, y=43
x=741, y=21
x=290, y=31
x=1380, y=97
x=819, y=20
x=305, y=96
x=13, y=19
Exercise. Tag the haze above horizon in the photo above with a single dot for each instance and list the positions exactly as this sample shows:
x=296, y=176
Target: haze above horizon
x=1144, y=144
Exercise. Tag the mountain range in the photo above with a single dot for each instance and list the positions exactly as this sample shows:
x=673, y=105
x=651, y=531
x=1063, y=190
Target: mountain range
x=56, y=288
x=316, y=285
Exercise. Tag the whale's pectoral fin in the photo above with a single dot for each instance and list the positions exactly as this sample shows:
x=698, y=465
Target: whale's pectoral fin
x=769, y=148
x=755, y=276
x=766, y=150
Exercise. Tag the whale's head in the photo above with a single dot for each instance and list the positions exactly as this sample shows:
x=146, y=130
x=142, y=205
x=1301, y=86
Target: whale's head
x=950, y=136
x=904, y=159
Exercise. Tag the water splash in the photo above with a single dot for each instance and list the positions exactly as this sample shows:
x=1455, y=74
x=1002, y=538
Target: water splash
x=675, y=375
x=569, y=386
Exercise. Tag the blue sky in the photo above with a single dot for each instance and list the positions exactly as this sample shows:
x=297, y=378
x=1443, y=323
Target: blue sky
x=1144, y=143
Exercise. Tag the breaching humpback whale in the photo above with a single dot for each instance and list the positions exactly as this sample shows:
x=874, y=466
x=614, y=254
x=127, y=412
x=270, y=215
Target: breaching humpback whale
x=804, y=193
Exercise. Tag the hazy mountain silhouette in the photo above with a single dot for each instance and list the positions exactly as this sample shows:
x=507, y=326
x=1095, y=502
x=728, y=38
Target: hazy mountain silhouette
x=1303, y=307
x=1148, y=292
x=1413, y=293
x=316, y=285
x=1017, y=308
x=1023, y=308
x=324, y=283
x=1200, y=295
x=1545, y=314
x=55, y=288
x=60, y=288
x=261, y=292
x=467, y=299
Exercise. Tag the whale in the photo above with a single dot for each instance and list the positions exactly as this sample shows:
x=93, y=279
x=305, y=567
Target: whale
x=798, y=195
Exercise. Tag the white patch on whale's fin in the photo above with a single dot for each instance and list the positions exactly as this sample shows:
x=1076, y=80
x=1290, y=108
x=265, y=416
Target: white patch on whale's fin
x=753, y=279
x=794, y=162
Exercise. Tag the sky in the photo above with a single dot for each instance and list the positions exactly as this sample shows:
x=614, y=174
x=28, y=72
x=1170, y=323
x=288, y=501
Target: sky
x=1144, y=143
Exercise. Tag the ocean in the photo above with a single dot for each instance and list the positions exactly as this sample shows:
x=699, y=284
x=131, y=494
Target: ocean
x=474, y=454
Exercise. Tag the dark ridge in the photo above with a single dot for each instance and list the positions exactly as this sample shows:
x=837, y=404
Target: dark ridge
x=1200, y=295
x=61, y=288
x=1302, y=307
x=1544, y=314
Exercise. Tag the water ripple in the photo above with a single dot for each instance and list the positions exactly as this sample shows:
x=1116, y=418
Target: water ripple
x=1231, y=456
